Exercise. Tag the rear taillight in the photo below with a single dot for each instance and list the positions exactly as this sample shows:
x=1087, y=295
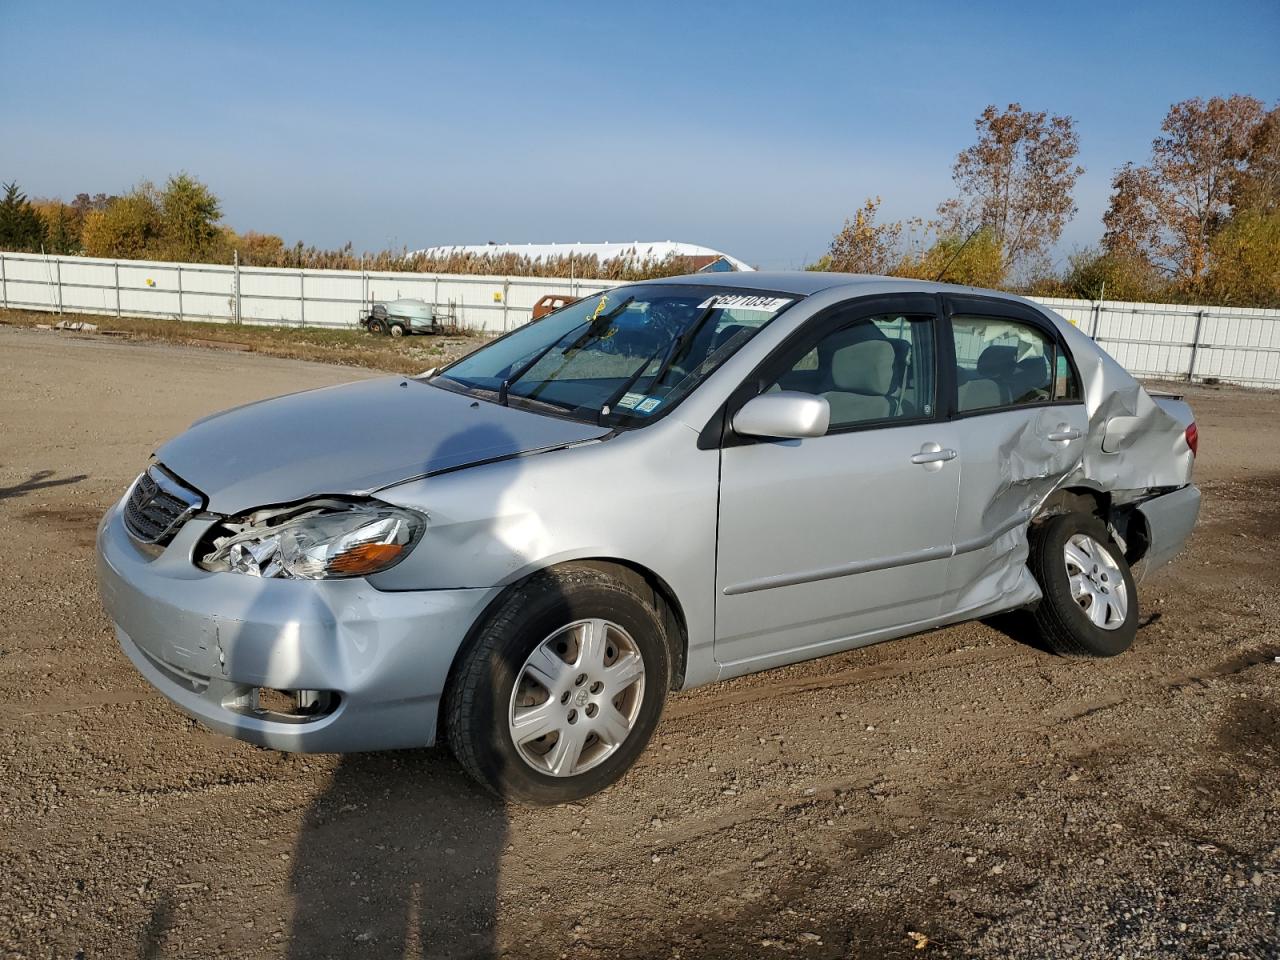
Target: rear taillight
x=1193, y=439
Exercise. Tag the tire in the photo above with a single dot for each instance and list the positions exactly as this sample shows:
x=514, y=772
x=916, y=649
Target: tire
x=493, y=687
x=377, y=327
x=397, y=330
x=1082, y=612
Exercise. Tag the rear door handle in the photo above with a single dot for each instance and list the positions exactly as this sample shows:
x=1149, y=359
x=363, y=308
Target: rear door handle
x=1065, y=433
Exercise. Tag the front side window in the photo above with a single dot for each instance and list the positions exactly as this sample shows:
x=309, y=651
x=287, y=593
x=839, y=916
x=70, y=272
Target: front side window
x=1003, y=363
x=623, y=356
x=876, y=369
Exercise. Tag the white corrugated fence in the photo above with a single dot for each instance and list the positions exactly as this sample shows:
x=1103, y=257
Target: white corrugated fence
x=1173, y=341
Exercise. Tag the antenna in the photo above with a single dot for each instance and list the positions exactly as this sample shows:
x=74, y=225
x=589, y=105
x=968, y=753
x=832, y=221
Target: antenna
x=943, y=272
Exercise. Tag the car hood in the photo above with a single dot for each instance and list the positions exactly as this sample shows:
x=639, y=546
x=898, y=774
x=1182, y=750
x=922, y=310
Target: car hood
x=352, y=439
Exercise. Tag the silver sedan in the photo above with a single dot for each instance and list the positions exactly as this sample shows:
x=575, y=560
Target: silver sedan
x=668, y=484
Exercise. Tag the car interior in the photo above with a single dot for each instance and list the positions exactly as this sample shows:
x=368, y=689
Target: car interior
x=867, y=371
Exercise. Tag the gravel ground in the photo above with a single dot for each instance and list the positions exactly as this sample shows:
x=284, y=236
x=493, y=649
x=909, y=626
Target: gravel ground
x=950, y=795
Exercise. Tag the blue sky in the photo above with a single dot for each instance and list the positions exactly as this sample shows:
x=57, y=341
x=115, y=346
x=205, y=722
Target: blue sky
x=751, y=127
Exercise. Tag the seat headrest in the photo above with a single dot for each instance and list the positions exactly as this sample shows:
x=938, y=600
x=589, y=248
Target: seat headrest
x=724, y=334
x=864, y=367
x=997, y=361
x=1034, y=367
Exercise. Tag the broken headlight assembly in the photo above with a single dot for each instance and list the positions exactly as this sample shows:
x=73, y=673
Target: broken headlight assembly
x=319, y=540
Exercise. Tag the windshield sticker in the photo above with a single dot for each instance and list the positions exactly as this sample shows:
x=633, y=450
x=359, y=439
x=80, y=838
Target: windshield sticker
x=629, y=400
x=604, y=302
x=743, y=301
x=648, y=405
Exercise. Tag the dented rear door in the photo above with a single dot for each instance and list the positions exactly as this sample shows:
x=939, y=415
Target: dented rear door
x=1021, y=427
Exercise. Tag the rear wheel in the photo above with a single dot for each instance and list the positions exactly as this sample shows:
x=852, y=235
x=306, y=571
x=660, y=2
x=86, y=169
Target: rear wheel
x=1090, y=602
x=561, y=689
x=377, y=327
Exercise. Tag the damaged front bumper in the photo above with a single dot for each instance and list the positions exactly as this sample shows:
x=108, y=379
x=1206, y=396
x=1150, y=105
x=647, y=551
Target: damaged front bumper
x=365, y=668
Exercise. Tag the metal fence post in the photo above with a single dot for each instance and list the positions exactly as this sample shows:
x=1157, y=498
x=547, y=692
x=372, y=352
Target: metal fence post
x=235, y=316
x=181, y=316
x=506, y=295
x=302, y=299
x=4, y=284
x=115, y=264
x=1097, y=317
x=57, y=265
x=1195, y=346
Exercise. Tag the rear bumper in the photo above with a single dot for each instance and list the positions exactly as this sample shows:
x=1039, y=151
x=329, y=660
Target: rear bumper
x=206, y=640
x=1168, y=520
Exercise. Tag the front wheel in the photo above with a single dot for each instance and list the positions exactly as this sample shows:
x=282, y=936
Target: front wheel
x=1090, y=602
x=397, y=330
x=561, y=689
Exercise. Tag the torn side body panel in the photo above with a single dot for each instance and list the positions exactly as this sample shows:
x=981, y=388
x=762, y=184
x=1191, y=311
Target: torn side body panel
x=1119, y=446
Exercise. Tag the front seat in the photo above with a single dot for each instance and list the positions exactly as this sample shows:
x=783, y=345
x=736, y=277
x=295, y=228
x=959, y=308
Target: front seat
x=861, y=375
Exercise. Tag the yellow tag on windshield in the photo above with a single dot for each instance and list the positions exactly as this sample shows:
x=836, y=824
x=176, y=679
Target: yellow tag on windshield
x=604, y=301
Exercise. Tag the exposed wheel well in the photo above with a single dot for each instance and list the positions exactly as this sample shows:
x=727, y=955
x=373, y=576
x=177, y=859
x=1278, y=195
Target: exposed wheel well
x=1125, y=523
x=1075, y=500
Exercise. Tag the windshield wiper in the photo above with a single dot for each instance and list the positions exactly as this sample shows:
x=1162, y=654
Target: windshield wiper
x=678, y=346
x=623, y=390
x=597, y=326
x=524, y=368
x=681, y=343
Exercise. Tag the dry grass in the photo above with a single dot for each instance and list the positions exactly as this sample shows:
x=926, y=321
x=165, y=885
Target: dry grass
x=352, y=348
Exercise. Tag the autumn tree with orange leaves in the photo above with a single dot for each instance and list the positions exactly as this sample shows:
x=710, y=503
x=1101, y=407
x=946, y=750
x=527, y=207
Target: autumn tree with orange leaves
x=1016, y=183
x=1167, y=212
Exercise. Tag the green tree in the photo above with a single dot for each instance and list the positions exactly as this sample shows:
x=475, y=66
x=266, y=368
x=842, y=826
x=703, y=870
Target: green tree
x=1245, y=260
x=189, y=215
x=128, y=228
x=976, y=260
x=62, y=226
x=21, y=228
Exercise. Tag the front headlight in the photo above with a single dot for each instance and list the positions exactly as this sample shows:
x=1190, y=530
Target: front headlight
x=317, y=541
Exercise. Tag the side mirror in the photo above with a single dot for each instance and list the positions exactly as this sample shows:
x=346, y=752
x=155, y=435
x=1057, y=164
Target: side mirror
x=785, y=414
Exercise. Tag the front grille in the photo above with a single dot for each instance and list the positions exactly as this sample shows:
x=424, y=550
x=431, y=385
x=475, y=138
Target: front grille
x=158, y=505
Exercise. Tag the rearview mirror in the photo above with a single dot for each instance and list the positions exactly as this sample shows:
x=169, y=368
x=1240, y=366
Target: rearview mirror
x=785, y=414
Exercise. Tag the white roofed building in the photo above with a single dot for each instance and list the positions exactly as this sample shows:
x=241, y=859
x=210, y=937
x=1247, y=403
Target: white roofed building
x=639, y=251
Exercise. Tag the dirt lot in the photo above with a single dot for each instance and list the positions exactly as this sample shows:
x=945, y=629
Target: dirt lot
x=957, y=792
x=349, y=348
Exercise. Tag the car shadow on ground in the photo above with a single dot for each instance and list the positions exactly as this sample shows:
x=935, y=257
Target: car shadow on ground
x=398, y=857
x=38, y=481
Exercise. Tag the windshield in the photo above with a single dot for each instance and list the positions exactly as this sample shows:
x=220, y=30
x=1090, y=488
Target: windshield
x=623, y=356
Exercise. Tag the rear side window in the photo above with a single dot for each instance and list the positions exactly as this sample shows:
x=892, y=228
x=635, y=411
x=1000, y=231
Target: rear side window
x=1003, y=363
x=879, y=369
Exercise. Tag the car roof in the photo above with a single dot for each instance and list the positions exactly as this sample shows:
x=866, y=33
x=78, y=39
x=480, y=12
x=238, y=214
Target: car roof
x=806, y=282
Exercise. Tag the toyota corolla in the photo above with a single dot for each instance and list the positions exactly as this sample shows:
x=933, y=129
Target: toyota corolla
x=667, y=484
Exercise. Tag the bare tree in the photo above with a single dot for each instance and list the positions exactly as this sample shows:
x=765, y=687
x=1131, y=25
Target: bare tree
x=1257, y=184
x=1170, y=209
x=1016, y=182
x=865, y=246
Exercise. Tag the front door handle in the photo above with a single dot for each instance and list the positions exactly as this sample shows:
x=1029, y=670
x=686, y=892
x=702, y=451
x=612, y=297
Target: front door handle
x=1064, y=433
x=932, y=456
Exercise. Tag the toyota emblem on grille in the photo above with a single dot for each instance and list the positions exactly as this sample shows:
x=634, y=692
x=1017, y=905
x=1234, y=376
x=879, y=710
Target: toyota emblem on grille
x=157, y=505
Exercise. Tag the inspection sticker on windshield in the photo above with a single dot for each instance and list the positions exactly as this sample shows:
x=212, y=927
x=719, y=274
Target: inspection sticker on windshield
x=629, y=400
x=743, y=301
